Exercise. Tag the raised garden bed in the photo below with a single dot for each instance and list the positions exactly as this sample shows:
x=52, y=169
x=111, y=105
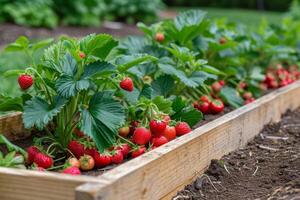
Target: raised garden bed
x=158, y=174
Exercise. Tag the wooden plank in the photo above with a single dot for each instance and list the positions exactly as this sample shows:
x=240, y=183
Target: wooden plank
x=18, y=184
x=11, y=125
x=161, y=172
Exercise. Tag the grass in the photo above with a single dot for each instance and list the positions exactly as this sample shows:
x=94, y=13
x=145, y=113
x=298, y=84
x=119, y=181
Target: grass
x=249, y=17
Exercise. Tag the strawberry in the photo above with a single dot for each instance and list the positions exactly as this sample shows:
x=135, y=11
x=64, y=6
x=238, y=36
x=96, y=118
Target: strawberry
x=242, y=85
x=170, y=133
x=81, y=55
x=196, y=105
x=205, y=98
x=72, y=170
x=102, y=160
x=216, y=87
x=87, y=162
x=158, y=141
x=133, y=126
x=204, y=107
x=127, y=84
x=43, y=160
x=31, y=152
x=159, y=37
x=90, y=151
x=74, y=162
x=250, y=100
x=78, y=132
x=283, y=83
x=118, y=157
x=125, y=149
x=222, y=82
x=138, y=152
x=157, y=127
x=273, y=84
x=76, y=148
x=222, y=40
x=124, y=131
x=141, y=136
x=182, y=128
x=167, y=119
x=25, y=81
x=247, y=95
x=216, y=106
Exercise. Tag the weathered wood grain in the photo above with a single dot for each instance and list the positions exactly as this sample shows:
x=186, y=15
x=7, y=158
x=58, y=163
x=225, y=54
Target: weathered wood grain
x=161, y=172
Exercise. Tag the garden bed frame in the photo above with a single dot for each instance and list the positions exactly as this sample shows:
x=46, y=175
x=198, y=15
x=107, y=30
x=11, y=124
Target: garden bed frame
x=158, y=174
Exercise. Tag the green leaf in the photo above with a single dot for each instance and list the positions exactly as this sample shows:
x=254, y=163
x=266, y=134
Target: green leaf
x=132, y=97
x=257, y=74
x=20, y=44
x=197, y=78
x=212, y=70
x=164, y=105
x=98, y=45
x=178, y=104
x=42, y=44
x=163, y=85
x=98, y=68
x=68, y=65
x=146, y=92
x=231, y=97
x=68, y=86
x=13, y=72
x=102, y=119
x=11, y=103
x=188, y=24
x=189, y=115
x=125, y=62
x=38, y=113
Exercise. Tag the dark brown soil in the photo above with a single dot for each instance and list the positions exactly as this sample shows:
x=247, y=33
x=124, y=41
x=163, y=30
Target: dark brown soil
x=9, y=32
x=267, y=168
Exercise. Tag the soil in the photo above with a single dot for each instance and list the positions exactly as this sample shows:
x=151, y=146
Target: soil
x=268, y=168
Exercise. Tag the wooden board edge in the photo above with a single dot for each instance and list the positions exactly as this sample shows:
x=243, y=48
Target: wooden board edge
x=22, y=184
x=268, y=108
x=11, y=126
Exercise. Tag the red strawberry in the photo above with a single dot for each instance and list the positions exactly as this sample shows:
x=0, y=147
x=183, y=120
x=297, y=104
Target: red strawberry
x=118, y=157
x=170, y=133
x=216, y=87
x=250, y=100
x=283, y=83
x=32, y=151
x=273, y=84
x=222, y=82
x=157, y=127
x=25, y=81
x=102, y=160
x=158, y=141
x=216, y=106
x=76, y=148
x=43, y=160
x=87, y=162
x=125, y=149
x=74, y=162
x=72, y=170
x=138, y=152
x=242, y=85
x=133, y=126
x=204, y=107
x=124, y=131
x=90, y=151
x=159, y=37
x=196, y=105
x=81, y=55
x=205, y=98
x=78, y=132
x=127, y=84
x=141, y=136
x=182, y=128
